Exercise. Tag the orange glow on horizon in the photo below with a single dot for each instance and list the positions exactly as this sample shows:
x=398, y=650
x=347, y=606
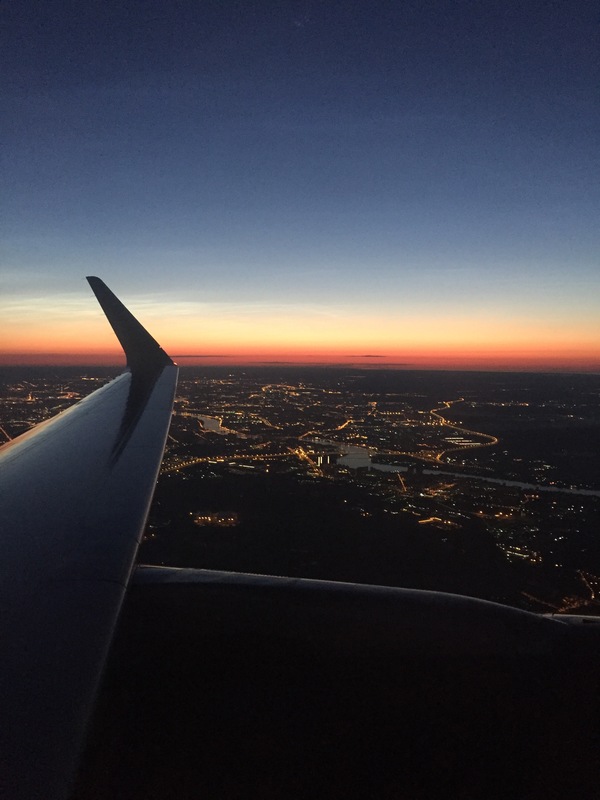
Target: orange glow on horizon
x=298, y=335
x=486, y=359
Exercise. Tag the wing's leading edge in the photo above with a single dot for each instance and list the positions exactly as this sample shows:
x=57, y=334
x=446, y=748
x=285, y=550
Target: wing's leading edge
x=74, y=497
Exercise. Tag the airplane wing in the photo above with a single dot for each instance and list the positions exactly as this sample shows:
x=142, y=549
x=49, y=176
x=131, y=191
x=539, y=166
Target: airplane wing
x=231, y=685
x=74, y=496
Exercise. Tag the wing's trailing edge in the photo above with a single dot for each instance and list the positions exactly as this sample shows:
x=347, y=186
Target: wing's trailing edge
x=74, y=496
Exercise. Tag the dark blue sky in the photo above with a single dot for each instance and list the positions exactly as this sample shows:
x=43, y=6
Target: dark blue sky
x=335, y=159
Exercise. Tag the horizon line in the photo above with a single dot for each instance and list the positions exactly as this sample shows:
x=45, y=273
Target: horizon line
x=548, y=369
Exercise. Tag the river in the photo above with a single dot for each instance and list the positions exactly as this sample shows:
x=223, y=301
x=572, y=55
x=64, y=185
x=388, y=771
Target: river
x=356, y=456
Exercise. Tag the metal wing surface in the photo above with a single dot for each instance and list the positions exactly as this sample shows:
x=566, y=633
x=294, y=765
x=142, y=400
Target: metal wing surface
x=74, y=496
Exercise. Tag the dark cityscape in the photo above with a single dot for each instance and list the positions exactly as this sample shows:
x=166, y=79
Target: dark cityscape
x=484, y=484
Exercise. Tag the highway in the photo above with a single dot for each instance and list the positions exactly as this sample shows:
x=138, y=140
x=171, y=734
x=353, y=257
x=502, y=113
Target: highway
x=492, y=440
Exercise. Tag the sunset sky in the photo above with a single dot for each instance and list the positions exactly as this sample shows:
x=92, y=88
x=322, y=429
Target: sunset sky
x=401, y=183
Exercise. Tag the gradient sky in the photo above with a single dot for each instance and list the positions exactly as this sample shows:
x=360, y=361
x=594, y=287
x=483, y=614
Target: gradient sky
x=312, y=181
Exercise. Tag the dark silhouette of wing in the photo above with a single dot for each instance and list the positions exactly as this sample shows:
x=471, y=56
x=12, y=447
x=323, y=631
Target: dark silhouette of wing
x=74, y=496
x=225, y=685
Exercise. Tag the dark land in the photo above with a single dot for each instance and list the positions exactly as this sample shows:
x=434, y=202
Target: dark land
x=290, y=471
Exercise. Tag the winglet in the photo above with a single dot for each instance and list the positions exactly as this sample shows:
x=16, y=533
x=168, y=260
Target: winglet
x=143, y=352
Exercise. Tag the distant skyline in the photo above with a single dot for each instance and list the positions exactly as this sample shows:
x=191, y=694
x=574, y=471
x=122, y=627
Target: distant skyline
x=304, y=181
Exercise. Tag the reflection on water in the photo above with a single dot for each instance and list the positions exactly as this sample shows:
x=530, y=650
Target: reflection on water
x=212, y=424
x=355, y=456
